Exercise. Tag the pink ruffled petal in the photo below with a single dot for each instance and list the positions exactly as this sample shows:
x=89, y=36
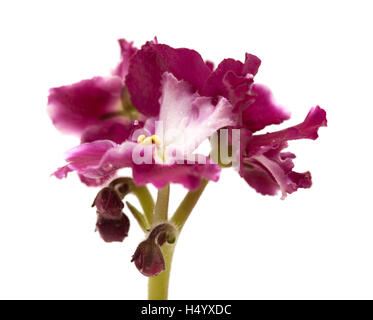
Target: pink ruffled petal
x=147, y=67
x=85, y=160
x=233, y=80
x=259, y=178
x=268, y=176
x=263, y=111
x=279, y=174
x=97, y=161
x=215, y=85
x=189, y=175
x=210, y=65
x=75, y=107
x=62, y=172
x=88, y=154
x=127, y=52
x=308, y=129
x=251, y=65
x=267, y=169
x=116, y=129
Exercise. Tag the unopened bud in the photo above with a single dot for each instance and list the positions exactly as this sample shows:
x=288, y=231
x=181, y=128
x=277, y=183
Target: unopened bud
x=148, y=258
x=113, y=230
x=108, y=203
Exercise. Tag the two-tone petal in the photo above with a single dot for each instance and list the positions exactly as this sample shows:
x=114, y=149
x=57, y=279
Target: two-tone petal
x=74, y=107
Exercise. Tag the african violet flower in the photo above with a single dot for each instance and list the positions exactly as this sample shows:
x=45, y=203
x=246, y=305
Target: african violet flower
x=151, y=115
x=97, y=108
x=183, y=114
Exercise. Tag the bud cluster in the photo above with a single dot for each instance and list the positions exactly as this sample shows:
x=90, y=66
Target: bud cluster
x=112, y=223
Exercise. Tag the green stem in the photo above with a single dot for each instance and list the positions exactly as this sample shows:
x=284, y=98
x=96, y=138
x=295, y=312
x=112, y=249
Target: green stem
x=158, y=285
x=146, y=201
x=186, y=206
x=161, y=206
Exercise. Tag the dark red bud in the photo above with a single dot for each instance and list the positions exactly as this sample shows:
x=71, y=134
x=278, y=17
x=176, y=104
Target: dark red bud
x=148, y=258
x=108, y=203
x=113, y=230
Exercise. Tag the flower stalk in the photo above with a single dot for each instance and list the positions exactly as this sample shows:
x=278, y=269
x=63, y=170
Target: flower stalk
x=185, y=208
x=159, y=284
x=161, y=206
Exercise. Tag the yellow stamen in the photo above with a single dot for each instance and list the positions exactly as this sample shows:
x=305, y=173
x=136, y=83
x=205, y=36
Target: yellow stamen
x=156, y=140
x=148, y=141
x=141, y=138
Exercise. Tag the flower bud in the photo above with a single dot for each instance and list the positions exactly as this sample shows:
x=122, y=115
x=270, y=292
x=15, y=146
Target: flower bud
x=148, y=258
x=108, y=203
x=113, y=230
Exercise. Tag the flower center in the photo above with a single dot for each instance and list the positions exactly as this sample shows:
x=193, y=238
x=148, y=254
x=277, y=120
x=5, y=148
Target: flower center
x=154, y=139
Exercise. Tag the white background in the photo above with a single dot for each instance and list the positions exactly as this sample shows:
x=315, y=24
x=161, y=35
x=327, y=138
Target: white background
x=317, y=244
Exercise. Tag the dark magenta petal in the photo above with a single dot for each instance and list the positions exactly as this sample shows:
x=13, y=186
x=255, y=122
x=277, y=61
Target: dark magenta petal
x=268, y=169
x=113, y=230
x=116, y=129
x=148, y=65
x=268, y=175
x=148, y=258
x=308, y=129
x=259, y=178
x=263, y=111
x=189, y=175
x=74, y=107
x=233, y=80
x=238, y=88
x=251, y=65
x=315, y=119
x=215, y=85
x=301, y=180
x=210, y=65
x=127, y=51
x=108, y=203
